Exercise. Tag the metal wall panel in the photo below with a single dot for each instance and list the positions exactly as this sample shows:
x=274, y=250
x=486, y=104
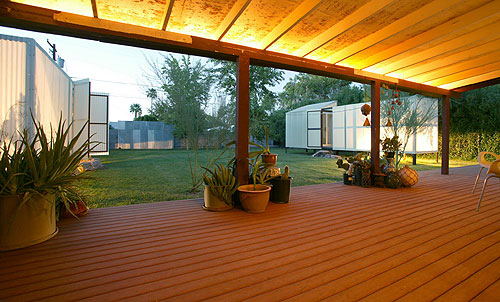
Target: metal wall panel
x=12, y=86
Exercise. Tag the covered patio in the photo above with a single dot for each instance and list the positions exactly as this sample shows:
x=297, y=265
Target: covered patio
x=332, y=241
x=342, y=243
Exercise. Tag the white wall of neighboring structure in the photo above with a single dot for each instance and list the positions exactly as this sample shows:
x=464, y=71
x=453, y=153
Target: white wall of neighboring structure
x=32, y=83
x=342, y=128
x=12, y=85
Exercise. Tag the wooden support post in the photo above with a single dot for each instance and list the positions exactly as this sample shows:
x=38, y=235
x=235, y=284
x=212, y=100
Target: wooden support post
x=375, y=126
x=414, y=159
x=242, y=118
x=445, y=133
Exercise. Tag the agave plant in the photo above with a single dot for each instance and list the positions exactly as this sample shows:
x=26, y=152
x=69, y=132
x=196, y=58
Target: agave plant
x=221, y=182
x=41, y=165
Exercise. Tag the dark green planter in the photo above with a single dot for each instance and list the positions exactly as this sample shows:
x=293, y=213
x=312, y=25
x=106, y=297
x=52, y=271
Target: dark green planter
x=280, y=192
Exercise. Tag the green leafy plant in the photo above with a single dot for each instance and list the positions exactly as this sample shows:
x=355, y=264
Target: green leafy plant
x=40, y=165
x=221, y=182
x=391, y=144
x=262, y=149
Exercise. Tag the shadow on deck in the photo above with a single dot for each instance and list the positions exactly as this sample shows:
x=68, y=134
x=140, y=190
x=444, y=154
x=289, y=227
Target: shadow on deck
x=343, y=243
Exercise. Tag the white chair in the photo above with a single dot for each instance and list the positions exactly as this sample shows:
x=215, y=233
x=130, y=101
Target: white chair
x=483, y=163
x=493, y=171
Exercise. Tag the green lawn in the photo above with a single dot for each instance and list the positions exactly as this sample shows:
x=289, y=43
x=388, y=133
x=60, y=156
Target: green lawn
x=141, y=176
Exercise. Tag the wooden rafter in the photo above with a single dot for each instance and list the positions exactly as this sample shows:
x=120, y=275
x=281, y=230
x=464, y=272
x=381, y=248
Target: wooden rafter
x=476, y=37
x=479, y=78
x=350, y=21
x=94, y=8
x=478, y=85
x=299, y=13
x=452, y=59
x=434, y=33
x=490, y=57
x=477, y=71
x=419, y=15
x=166, y=14
x=233, y=15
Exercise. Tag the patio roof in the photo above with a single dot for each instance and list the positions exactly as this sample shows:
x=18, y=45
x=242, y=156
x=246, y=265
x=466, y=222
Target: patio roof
x=427, y=46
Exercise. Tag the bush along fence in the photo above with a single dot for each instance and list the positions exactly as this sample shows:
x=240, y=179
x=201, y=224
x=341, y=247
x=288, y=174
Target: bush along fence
x=466, y=146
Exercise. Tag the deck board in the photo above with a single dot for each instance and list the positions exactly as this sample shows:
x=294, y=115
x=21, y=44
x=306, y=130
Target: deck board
x=334, y=242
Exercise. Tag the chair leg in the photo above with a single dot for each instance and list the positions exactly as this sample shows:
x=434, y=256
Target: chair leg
x=482, y=191
x=477, y=179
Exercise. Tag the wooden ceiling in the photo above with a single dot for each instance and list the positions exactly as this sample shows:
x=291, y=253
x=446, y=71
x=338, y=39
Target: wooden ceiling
x=445, y=44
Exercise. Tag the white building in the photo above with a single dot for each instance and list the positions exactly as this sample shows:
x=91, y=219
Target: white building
x=32, y=83
x=328, y=126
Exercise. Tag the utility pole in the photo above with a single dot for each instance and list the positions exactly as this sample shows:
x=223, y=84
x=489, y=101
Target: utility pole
x=53, y=50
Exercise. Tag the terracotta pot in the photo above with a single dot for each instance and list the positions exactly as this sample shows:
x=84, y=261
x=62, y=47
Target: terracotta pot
x=30, y=224
x=269, y=158
x=214, y=203
x=254, y=201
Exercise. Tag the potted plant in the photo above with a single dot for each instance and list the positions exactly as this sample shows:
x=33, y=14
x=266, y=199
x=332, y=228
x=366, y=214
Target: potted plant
x=255, y=197
x=390, y=146
x=264, y=152
x=34, y=173
x=220, y=185
x=281, y=186
x=348, y=172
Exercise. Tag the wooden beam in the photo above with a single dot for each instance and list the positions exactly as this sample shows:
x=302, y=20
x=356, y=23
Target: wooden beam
x=242, y=117
x=41, y=19
x=169, y=4
x=233, y=15
x=437, y=73
x=480, y=78
x=445, y=134
x=433, y=33
x=449, y=61
x=375, y=126
x=347, y=23
x=299, y=13
x=118, y=27
x=466, y=74
x=429, y=10
x=468, y=40
x=94, y=8
x=478, y=85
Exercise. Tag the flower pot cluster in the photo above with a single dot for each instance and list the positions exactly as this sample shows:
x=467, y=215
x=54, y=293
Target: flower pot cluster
x=357, y=170
x=37, y=175
x=266, y=183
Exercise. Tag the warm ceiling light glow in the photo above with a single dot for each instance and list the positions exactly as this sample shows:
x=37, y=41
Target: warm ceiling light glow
x=80, y=7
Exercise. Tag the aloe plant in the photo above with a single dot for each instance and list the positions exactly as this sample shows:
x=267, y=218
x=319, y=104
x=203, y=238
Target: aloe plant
x=42, y=165
x=221, y=182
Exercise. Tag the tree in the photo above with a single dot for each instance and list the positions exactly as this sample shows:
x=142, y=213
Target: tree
x=262, y=99
x=183, y=93
x=306, y=89
x=136, y=110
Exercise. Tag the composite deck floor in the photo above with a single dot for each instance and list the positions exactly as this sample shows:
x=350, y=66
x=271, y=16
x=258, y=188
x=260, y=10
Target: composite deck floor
x=332, y=241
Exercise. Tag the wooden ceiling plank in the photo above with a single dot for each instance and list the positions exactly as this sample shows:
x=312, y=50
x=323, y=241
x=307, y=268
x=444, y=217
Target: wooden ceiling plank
x=434, y=33
x=169, y=4
x=415, y=17
x=473, y=80
x=488, y=58
x=465, y=55
x=472, y=38
x=233, y=15
x=475, y=86
x=344, y=25
x=465, y=74
x=94, y=8
x=51, y=21
x=299, y=13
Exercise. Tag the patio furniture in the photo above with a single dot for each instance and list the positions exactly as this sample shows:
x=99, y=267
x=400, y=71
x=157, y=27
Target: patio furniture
x=483, y=163
x=493, y=171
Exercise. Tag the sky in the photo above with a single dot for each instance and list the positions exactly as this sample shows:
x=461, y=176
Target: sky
x=114, y=69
